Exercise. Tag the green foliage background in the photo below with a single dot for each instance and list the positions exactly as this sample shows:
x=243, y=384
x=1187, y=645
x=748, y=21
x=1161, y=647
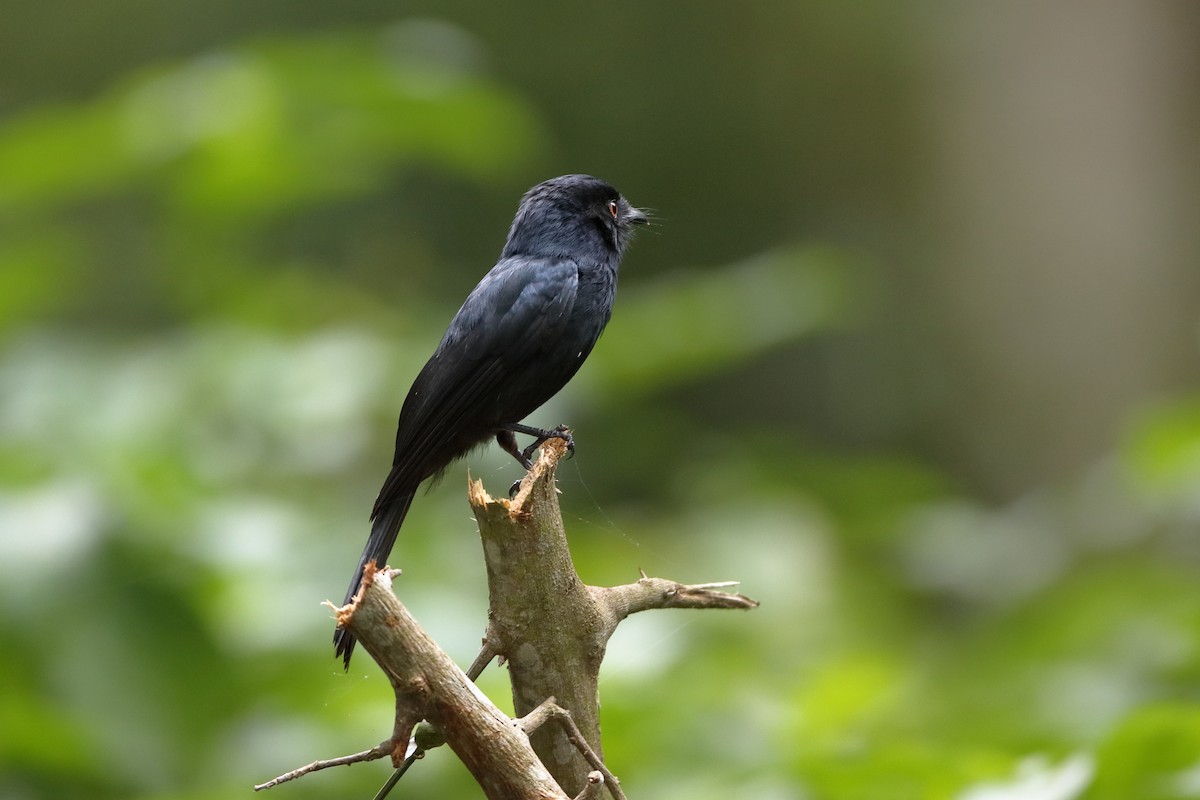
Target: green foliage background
x=229, y=236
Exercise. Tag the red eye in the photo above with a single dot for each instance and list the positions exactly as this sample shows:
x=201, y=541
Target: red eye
x=613, y=208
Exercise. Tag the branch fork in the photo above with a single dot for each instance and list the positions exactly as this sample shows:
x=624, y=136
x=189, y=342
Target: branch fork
x=549, y=626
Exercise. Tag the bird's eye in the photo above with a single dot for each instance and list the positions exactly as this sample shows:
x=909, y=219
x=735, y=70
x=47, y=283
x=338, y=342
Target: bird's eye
x=613, y=208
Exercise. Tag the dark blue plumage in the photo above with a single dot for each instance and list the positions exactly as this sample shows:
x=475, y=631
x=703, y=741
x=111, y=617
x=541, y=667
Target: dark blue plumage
x=521, y=334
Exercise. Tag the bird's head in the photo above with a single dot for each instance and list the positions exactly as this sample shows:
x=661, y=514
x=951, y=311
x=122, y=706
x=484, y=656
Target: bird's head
x=573, y=216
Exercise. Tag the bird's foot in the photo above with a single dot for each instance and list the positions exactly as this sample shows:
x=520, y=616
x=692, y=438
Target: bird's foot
x=526, y=456
x=508, y=442
x=561, y=432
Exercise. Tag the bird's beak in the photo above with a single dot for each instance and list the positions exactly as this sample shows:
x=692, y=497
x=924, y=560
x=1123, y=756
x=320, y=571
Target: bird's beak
x=637, y=217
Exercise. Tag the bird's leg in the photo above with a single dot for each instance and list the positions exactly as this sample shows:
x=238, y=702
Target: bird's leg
x=540, y=438
x=508, y=443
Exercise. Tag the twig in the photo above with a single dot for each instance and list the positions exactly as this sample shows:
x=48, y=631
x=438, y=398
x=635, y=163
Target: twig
x=395, y=777
x=648, y=593
x=593, y=787
x=550, y=710
x=382, y=750
x=486, y=653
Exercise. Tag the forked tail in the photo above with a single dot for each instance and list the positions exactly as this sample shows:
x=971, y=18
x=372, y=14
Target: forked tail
x=384, y=528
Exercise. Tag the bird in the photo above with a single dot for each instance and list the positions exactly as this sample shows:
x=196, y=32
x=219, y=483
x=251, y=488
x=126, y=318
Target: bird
x=519, y=337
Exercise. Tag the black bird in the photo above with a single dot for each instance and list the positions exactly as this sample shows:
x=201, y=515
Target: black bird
x=522, y=333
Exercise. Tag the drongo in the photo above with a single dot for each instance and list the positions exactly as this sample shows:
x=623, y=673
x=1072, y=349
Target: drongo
x=522, y=333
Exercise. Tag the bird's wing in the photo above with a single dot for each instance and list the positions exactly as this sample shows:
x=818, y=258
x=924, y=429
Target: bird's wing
x=519, y=308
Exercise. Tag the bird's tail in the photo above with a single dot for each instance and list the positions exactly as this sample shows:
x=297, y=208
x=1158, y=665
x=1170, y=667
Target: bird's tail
x=384, y=527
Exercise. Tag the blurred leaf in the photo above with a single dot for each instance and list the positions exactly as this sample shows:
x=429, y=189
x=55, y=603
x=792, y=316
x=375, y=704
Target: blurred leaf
x=1153, y=755
x=841, y=702
x=870, y=495
x=170, y=194
x=690, y=324
x=1037, y=779
x=57, y=153
x=41, y=736
x=267, y=125
x=37, y=270
x=1163, y=446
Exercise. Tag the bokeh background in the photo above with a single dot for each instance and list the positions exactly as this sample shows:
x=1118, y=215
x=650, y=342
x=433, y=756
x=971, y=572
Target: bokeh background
x=911, y=352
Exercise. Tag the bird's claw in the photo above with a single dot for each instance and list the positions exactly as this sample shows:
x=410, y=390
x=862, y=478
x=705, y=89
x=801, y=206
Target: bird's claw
x=561, y=432
x=564, y=433
x=512, y=490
